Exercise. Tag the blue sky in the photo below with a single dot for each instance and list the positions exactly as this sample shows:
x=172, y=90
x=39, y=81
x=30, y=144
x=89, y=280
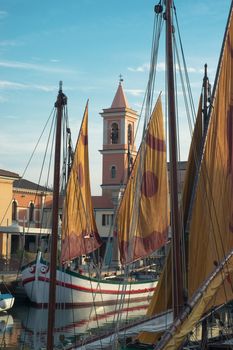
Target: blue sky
x=87, y=44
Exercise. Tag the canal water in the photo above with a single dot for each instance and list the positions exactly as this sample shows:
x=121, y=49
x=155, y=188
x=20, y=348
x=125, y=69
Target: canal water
x=25, y=327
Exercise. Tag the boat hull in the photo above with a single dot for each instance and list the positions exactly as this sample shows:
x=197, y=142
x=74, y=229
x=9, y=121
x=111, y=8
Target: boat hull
x=75, y=289
x=6, y=302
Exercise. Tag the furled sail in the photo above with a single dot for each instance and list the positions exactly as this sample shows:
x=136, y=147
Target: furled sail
x=143, y=216
x=79, y=231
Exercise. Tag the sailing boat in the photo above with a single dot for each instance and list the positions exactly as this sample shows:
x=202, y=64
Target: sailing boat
x=80, y=236
x=205, y=213
x=203, y=222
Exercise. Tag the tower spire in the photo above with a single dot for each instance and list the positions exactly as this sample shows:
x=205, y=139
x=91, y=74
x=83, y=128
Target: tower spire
x=120, y=100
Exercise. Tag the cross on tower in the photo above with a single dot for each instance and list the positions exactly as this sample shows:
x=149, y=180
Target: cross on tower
x=120, y=78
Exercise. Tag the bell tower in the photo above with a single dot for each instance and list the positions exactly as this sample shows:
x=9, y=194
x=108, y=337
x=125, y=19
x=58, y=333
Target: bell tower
x=119, y=150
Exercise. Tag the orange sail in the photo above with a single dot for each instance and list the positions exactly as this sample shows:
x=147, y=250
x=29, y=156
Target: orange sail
x=143, y=216
x=79, y=231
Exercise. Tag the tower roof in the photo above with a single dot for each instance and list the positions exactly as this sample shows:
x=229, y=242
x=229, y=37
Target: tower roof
x=120, y=100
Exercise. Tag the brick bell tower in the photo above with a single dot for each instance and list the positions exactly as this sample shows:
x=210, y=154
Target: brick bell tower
x=119, y=150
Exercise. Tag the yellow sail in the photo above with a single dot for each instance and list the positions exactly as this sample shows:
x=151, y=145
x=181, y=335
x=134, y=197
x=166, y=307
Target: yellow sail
x=79, y=231
x=211, y=227
x=143, y=217
x=162, y=298
x=192, y=165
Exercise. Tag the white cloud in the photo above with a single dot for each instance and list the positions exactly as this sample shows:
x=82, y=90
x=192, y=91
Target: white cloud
x=4, y=84
x=11, y=117
x=143, y=68
x=46, y=88
x=3, y=14
x=161, y=68
x=146, y=66
x=31, y=66
x=4, y=43
x=11, y=85
x=3, y=99
x=135, y=92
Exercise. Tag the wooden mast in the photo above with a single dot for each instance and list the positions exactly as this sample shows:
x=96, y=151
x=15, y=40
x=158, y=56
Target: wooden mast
x=175, y=219
x=60, y=103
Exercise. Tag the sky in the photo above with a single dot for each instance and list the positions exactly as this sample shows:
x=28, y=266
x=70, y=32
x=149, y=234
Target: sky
x=87, y=44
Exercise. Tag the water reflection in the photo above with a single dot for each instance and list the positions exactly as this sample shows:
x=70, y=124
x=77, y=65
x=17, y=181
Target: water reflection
x=70, y=324
x=6, y=329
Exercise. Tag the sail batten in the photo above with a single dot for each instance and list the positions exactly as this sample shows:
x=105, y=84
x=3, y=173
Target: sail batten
x=79, y=230
x=142, y=219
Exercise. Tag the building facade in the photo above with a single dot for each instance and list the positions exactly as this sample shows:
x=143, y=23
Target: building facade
x=25, y=209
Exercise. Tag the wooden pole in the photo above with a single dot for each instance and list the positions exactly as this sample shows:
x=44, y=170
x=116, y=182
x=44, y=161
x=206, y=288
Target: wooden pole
x=175, y=219
x=61, y=101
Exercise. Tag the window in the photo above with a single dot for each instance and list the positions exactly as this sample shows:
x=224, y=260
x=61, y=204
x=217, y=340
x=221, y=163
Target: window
x=113, y=172
x=31, y=212
x=14, y=210
x=130, y=134
x=114, y=133
x=107, y=219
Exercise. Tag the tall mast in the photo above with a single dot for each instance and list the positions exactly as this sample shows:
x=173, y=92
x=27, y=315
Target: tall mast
x=60, y=103
x=175, y=219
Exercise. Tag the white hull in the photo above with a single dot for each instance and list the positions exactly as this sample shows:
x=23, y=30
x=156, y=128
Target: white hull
x=75, y=289
x=6, y=302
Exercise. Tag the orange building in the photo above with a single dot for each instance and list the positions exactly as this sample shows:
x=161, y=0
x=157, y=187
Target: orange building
x=6, y=190
x=25, y=209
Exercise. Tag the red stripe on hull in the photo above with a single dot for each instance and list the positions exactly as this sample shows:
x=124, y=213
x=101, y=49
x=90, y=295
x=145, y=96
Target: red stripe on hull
x=90, y=290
